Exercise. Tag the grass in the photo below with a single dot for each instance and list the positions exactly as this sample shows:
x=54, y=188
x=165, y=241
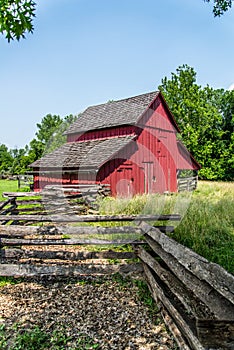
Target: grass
x=12, y=186
x=8, y=280
x=8, y=186
x=38, y=339
x=207, y=224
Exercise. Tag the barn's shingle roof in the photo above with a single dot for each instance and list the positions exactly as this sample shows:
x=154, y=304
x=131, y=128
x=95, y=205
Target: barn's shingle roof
x=122, y=112
x=88, y=154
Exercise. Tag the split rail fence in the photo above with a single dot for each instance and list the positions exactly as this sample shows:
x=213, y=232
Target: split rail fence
x=196, y=297
x=196, y=294
x=37, y=240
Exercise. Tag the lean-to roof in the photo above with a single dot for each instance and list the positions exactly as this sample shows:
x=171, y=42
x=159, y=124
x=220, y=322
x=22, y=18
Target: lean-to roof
x=88, y=154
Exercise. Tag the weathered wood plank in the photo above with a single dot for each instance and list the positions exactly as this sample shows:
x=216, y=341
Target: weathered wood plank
x=29, y=209
x=63, y=241
x=158, y=294
x=174, y=330
x=25, y=270
x=212, y=273
x=20, y=194
x=93, y=218
x=165, y=229
x=88, y=185
x=21, y=231
x=216, y=334
x=4, y=204
x=192, y=304
x=63, y=254
x=220, y=306
x=9, y=210
x=29, y=201
x=48, y=197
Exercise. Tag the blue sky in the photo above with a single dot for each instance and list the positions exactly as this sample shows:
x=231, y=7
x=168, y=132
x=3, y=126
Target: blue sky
x=85, y=52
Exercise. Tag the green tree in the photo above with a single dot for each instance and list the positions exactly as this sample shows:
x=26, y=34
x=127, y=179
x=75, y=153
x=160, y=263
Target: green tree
x=58, y=138
x=220, y=6
x=48, y=126
x=16, y=17
x=49, y=135
x=200, y=120
x=5, y=159
x=224, y=100
x=17, y=155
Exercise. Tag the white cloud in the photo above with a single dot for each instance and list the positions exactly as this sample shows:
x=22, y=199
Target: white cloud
x=231, y=87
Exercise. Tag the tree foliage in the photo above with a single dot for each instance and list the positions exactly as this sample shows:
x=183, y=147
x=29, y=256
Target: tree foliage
x=220, y=6
x=5, y=158
x=16, y=17
x=58, y=138
x=48, y=126
x=49, y=135
x=205, y=118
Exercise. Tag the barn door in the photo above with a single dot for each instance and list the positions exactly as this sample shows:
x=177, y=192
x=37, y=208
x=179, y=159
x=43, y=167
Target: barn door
x=124, y=186
x=148, y=177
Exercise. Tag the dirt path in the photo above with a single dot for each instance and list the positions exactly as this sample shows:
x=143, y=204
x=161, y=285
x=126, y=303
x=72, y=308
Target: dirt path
x=108, y=312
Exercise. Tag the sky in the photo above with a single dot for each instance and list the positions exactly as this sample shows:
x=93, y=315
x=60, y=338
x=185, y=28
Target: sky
x=86, y=52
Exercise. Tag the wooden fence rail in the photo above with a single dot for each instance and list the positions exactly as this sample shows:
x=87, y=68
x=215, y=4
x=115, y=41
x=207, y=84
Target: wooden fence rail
x=197, y=294
x=57, y=237
x=187, y=183
x=91, y=218
x=77, y=199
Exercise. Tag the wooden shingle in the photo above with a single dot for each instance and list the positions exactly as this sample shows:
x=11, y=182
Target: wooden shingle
x=89, y=154
x=113, y=113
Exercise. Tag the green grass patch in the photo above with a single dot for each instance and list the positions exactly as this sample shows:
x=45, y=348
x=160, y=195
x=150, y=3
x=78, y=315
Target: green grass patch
x=7, y=186
x=8, y=280
x=38, y=339
x=12, y=186
x=208, y=226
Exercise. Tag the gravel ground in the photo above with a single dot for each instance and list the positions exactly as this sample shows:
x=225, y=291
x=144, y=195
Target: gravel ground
x=105, y=310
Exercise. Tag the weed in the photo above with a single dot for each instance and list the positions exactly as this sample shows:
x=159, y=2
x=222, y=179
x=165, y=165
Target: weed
x=3, y=338
x=38, y=339
x=86, y=343
x=8, y=280
x=120, y=280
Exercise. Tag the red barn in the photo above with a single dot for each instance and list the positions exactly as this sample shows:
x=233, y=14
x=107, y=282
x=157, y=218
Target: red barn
x=129, y=144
